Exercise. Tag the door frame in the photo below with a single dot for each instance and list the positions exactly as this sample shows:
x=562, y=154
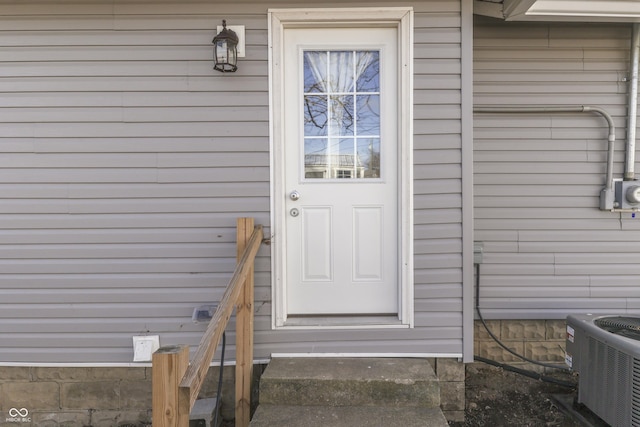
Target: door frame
x=394, y=17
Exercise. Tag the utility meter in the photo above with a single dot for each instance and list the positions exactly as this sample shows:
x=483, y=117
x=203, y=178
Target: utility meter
x=627, y=194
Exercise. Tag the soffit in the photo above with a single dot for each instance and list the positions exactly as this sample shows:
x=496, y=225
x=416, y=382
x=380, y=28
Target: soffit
x=561, y=10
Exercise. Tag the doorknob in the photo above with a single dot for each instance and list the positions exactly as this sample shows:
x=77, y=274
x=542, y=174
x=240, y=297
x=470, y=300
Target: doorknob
x=294, y=195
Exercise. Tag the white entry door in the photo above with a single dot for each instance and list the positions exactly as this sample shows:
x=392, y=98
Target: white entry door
x=340, y=118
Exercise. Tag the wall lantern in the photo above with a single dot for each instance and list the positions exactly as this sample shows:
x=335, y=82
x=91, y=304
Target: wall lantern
x=225, y=50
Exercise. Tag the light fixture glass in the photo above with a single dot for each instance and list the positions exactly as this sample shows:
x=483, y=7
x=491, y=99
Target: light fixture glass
x=225, y=50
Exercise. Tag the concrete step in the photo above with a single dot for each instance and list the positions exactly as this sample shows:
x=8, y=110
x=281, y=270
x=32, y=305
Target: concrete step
x=350, y=382
x=346, y=416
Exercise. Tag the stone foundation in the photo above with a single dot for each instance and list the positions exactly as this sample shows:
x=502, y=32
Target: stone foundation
x=539, y=340
x=90, y=397
x=451, y=376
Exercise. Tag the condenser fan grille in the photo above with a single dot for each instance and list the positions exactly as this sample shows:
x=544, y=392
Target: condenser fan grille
x=624, y=326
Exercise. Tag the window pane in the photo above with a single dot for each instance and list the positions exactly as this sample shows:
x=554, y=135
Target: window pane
x=316, y=153
x=341, y=115
x=315, y=116
x=368, y=120
x=315, y=71
x=368, y=71
x=369, y=157
x=341, y=72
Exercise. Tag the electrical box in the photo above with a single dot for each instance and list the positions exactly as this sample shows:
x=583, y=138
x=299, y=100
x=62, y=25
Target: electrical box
x=478, y=249
x=627, y=194
x=144, y=346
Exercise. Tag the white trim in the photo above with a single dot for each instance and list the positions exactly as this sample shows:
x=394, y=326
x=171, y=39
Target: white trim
x=467, y=179
x=106, y=365
x=401, y=18
x=369, y=355
x=354, y=327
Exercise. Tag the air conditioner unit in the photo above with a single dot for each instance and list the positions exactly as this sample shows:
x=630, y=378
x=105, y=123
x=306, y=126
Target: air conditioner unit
x=605, y=352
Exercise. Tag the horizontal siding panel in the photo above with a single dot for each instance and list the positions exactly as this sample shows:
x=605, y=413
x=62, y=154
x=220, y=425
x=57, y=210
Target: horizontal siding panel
x=539, y=213
x=558, y=168
x=544, y=99
x=213, y=282
x=96, y=326
x=436, y=81
x=176, y=309
x=33, y=160
x=526, y=292
x=436, y=157
x=119, y=265
x=614, y=249
x=196, y=175
x=438, y=261
x=439, y=231
x=438, y=276
x=438, y=216
x=631, y=293
x=69, y=297
x=116, y=84
x=437, y=19
x=431, y=112
x=491, y=268
x=565, y=201
x=160, y=98
x=544, y=313
x=516, y=180
x=558, y=304
x=110, y=251
x=86, y=129
x=534, y=282
x=221, y=160
x=439, y=305
x=188, y=205
x=526, y=191
x=445, y=171
x=186, y=190
x=434, y=50
x=438, y=201
x=438, y=291
x=438, y=246
x=501, y=224
x=134, y=114
x=597, y=237
x=136, y=145
x=47, y=175
x=426, y=34
x=437, y=96
x=447, y=186
x=147, y=220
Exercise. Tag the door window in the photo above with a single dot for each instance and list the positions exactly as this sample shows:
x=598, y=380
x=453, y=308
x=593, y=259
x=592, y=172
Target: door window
x=341, y=114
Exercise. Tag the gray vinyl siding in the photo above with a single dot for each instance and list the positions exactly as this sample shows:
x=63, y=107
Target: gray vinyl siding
x=548, y=249
x=125, y=161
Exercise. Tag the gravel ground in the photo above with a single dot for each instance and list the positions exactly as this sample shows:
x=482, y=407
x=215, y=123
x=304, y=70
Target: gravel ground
x=496, y=397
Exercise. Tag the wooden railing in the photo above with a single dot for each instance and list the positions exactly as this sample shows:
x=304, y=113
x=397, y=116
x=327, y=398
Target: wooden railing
x=176, y=382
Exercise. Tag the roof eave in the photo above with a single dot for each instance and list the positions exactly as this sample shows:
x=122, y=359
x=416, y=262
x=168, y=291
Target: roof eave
x=561, y=10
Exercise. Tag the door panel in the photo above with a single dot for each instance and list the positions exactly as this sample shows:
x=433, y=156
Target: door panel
x=341, y=158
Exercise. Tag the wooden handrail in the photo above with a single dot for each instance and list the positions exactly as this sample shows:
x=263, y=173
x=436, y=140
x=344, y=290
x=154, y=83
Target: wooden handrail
x=239, y=292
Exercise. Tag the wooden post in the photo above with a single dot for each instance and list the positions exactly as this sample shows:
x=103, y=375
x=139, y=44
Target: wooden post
x=244, y=332
x=168, y=367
